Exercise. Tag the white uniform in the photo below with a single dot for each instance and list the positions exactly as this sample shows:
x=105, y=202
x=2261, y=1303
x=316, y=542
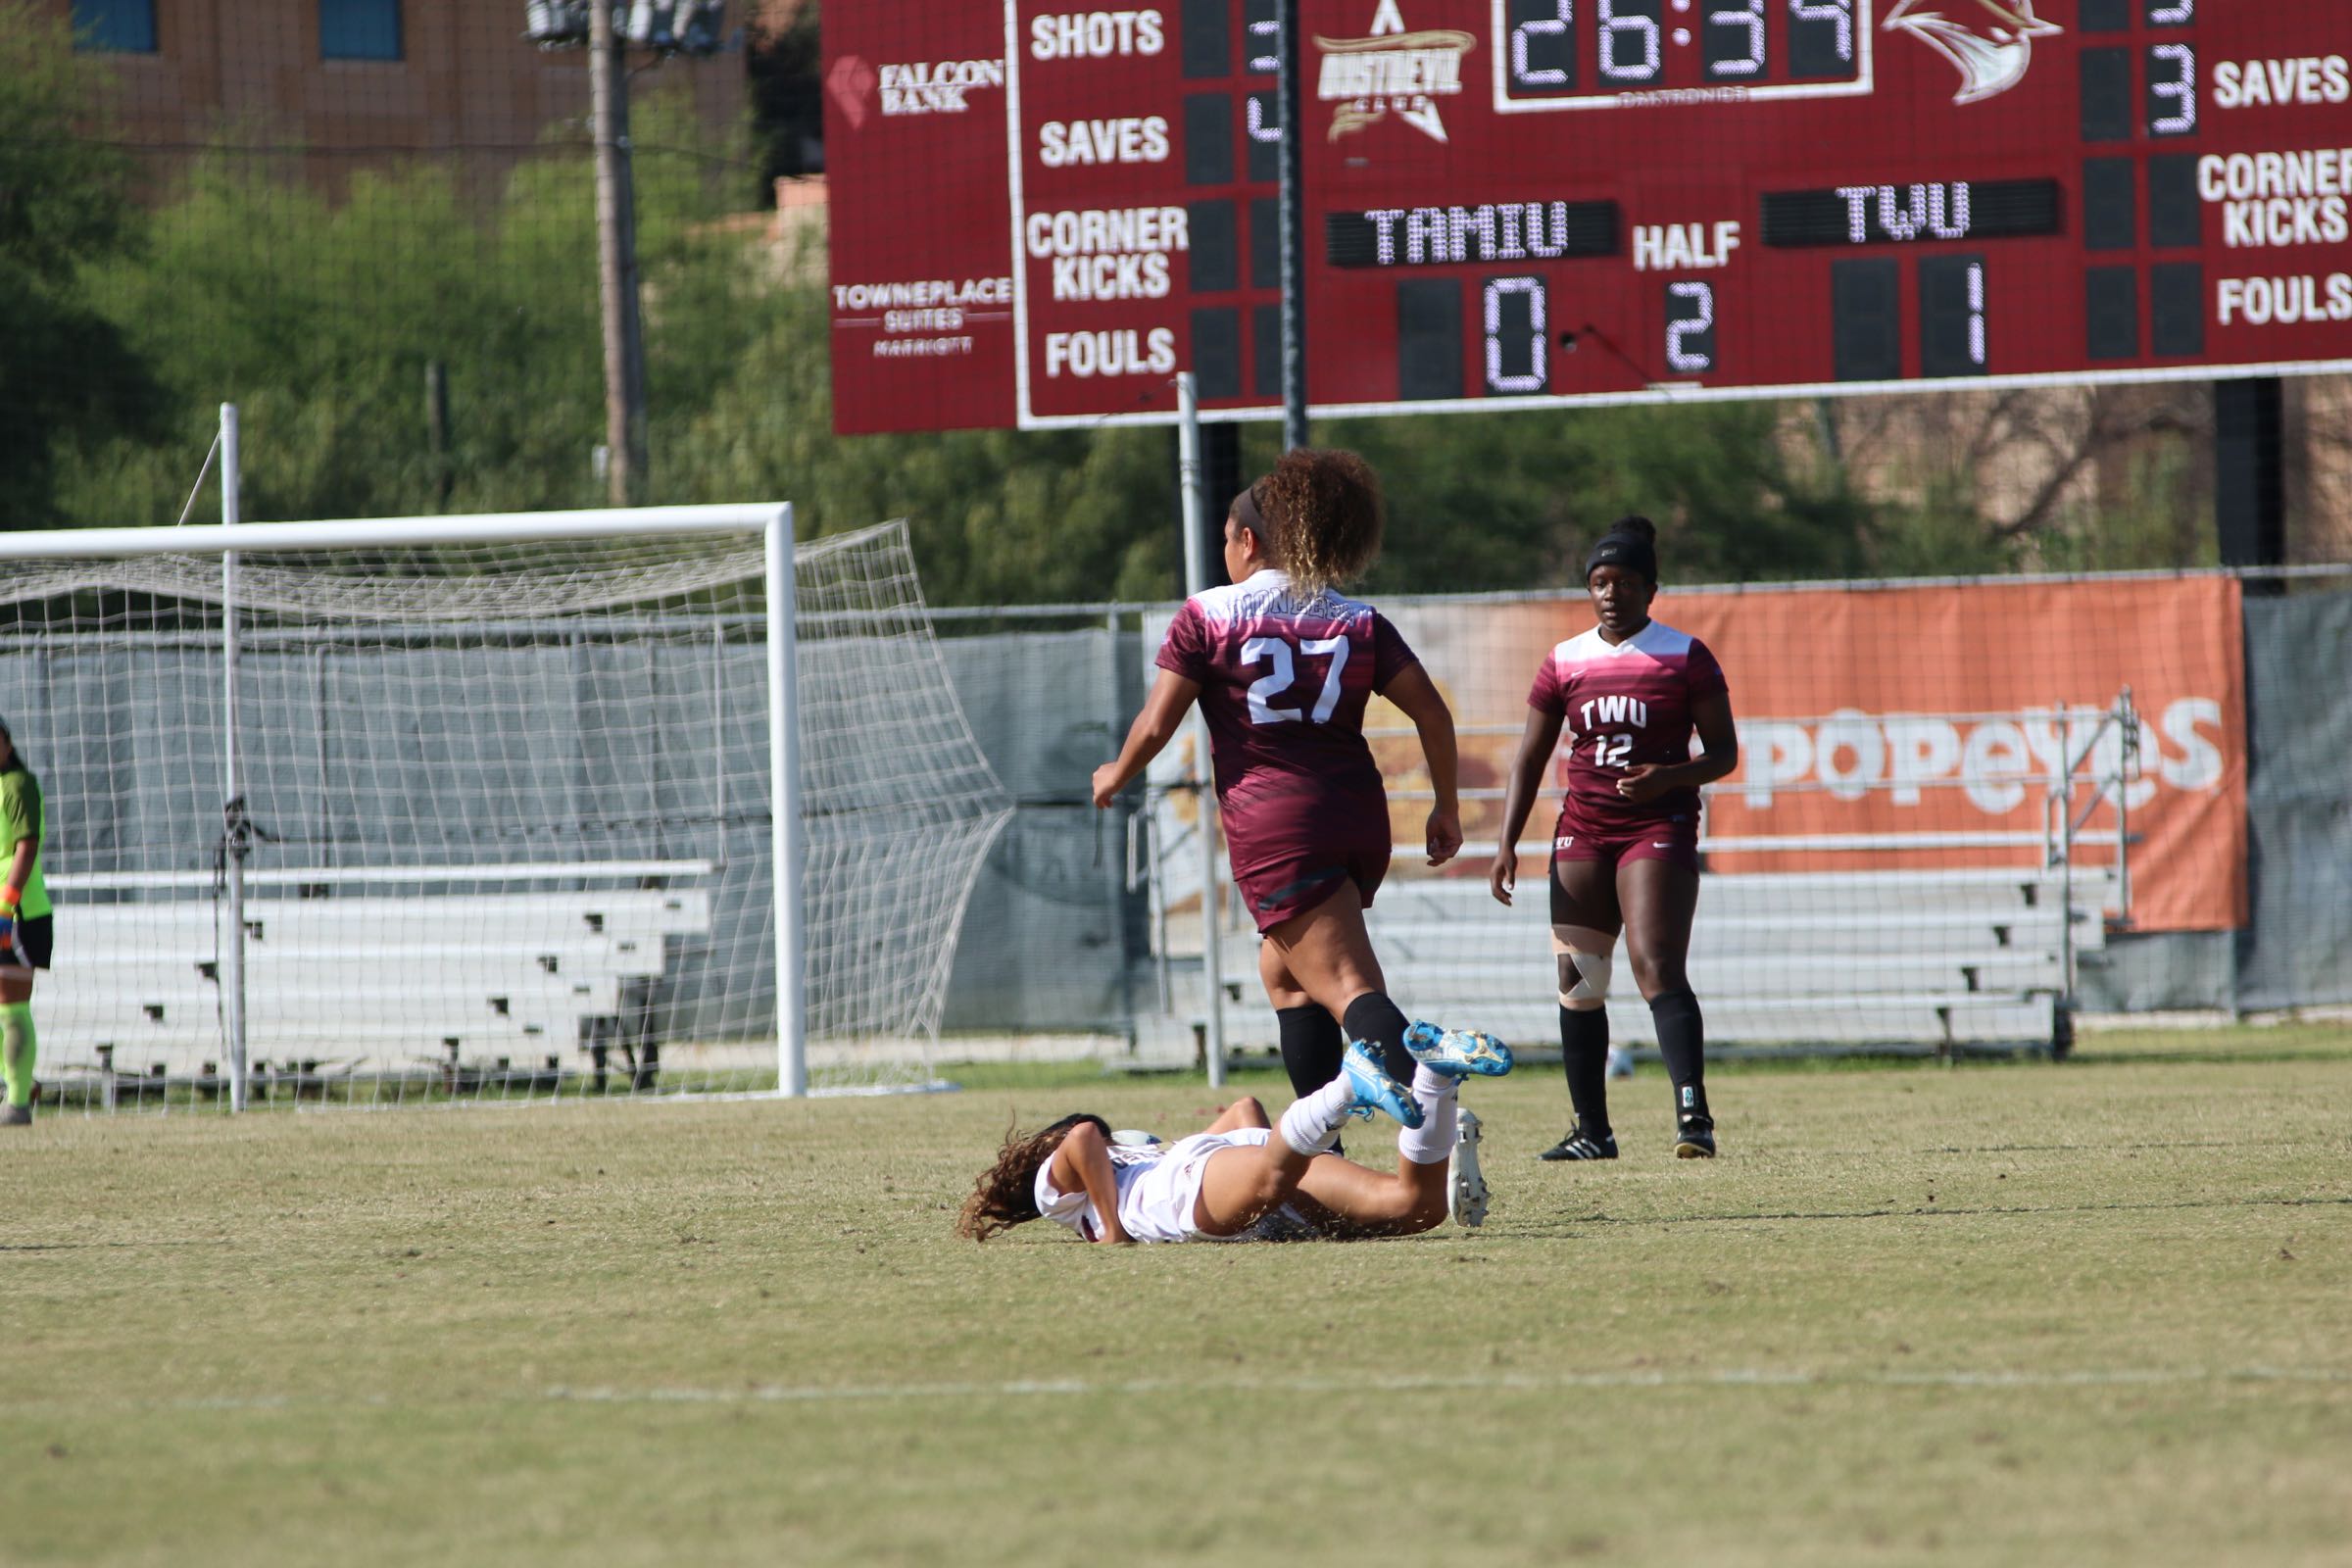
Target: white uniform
x=1158, y=1189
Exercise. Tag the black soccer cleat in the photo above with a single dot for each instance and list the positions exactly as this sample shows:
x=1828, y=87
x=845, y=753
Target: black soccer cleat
x=1578, y=1144
x=1694, y=1138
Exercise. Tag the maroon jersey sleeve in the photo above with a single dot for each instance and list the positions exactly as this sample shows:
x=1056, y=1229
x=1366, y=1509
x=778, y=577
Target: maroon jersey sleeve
x=1185, y=650
x=1546, y=695
x=1392, y=657
x=1702, y=674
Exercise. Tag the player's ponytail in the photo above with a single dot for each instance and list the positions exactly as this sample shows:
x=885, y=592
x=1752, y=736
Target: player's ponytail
x=1005, y=1195
x=1322, y=509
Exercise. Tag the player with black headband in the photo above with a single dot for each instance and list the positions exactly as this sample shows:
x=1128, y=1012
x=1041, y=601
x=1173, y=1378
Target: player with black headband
x=1625, y=854
x=1283, y=668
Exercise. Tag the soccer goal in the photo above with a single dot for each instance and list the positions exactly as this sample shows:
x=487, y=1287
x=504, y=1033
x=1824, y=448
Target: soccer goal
x=529, y=806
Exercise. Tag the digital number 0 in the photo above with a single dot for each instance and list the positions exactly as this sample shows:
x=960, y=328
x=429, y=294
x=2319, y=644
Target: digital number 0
x=1534, y=339
x=1557, y=27
x=1614, y=28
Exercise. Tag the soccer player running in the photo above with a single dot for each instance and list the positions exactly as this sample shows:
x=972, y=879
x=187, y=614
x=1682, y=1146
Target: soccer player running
x=1625, y=852
x=25, y=925
x=1283, y=668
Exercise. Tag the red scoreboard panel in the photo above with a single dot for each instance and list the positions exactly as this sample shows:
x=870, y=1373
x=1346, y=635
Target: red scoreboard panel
x=1040, y=212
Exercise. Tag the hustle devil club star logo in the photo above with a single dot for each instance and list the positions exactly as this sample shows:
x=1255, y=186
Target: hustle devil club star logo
x=1391, y=72
x=1991, y=41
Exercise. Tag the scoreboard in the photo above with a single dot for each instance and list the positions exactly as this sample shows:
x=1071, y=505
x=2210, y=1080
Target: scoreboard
x=1040, y=211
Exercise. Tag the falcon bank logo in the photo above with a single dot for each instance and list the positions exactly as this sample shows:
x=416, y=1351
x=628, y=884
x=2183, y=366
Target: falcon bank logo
x=1392, y=70
x=1993, y=43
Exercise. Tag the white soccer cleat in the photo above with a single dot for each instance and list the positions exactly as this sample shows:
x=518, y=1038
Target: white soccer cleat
x=1465, y=1185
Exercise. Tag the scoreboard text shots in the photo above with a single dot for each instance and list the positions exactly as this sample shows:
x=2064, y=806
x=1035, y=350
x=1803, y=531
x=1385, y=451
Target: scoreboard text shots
x=1040, y=212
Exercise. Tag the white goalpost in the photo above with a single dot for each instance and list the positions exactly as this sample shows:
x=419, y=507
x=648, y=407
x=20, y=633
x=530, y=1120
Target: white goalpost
x=523, y=806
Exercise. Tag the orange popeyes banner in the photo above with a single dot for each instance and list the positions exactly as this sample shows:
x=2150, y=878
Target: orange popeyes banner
x=1918, y=710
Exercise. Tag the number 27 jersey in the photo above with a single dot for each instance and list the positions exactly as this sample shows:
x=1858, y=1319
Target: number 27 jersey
x=1622, y=704
x=1284, y=681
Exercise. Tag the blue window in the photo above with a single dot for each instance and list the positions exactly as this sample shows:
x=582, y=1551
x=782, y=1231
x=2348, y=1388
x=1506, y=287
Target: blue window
x=359, y=29
x=126, y=26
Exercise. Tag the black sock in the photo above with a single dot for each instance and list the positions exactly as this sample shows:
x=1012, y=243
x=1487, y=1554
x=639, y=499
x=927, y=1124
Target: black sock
x=1584, y=1053
x=1374, y=1017
x=1683, y=1041
x=1312, y=1045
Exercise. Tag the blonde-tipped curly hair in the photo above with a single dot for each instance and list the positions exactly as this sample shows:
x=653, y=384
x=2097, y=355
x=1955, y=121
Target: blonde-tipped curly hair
x=1323, y=517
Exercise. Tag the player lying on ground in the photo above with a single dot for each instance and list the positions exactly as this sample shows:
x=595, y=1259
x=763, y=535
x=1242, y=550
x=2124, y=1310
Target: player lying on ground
x=1238, y=1179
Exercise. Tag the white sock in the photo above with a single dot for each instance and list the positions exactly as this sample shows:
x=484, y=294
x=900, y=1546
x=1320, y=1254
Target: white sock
x=1441, y=1098
x=1312, y=1122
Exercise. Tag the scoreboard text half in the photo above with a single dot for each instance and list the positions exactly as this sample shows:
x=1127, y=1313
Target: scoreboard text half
x=1040, y=213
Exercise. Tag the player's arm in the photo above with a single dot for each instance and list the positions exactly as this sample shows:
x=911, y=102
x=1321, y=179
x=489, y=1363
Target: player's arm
x=1172, y=696
x=1536, y=746
x=1084, y=1160
x=1711, y=716
x=20, y=872
x=1411, y=690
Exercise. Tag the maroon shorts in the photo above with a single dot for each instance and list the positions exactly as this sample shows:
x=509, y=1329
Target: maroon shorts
x=1278, y=883
x=1674, y=840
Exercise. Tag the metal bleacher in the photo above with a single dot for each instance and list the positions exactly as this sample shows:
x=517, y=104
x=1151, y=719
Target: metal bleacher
x=1936, y=957
x=511, y=973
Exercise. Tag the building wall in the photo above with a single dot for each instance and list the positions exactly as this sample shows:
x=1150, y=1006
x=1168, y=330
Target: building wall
x=250, y=70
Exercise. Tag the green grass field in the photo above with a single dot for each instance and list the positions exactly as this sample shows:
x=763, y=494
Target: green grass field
x=2001, y=1314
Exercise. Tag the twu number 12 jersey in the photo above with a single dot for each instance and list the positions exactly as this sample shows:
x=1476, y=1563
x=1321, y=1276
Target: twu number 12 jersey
x=1622, y=704
x=1284, y=681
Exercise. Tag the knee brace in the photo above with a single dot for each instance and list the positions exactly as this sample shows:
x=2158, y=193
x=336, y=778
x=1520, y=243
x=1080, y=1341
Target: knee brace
x=1583, y=974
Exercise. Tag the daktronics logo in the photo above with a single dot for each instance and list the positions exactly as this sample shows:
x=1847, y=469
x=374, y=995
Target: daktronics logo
x=931, y=87
x=1996, y=764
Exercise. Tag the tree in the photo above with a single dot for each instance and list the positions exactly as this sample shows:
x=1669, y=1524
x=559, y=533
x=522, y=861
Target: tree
x=66, y=372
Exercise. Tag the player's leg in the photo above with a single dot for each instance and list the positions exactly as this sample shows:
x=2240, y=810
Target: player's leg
x=1660, y=896
x=19, y=1046
x=1310, y=1037
x=1328, y=955
x=1241, y=1184
x=1585, y=921
x=1246, y=1111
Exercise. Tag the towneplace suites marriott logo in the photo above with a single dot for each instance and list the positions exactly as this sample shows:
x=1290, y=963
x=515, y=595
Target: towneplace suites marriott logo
x=1391, y=72
x=925, y=87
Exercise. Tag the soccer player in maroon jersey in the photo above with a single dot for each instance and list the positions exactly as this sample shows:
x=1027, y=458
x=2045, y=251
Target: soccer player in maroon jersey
x=1625, y=854
x=1283, y=668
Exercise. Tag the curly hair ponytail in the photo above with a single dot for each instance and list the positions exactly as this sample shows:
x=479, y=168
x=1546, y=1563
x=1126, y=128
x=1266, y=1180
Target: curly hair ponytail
x=1005, y=1195
x=1322, y=509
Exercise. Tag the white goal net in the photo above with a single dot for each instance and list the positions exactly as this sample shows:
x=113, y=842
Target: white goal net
x=494, y=819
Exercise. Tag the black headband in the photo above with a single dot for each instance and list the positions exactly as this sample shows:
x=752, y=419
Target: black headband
x=1618, y=549
x=1246, y=513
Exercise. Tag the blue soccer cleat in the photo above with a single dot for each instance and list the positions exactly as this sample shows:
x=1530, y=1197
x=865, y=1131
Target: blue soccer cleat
x=1373, y=1088
x=1458, y=1052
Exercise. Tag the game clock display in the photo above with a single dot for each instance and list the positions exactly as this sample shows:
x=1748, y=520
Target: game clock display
x=1532, y=203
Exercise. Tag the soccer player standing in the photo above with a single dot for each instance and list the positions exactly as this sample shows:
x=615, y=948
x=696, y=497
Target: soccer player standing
x=1283, y=668
x=1625, y=852
x=24, y=924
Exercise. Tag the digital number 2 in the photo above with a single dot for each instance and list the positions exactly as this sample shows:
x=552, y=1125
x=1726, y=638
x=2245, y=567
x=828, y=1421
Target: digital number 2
x=1611, y=751
x=1261, y=650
